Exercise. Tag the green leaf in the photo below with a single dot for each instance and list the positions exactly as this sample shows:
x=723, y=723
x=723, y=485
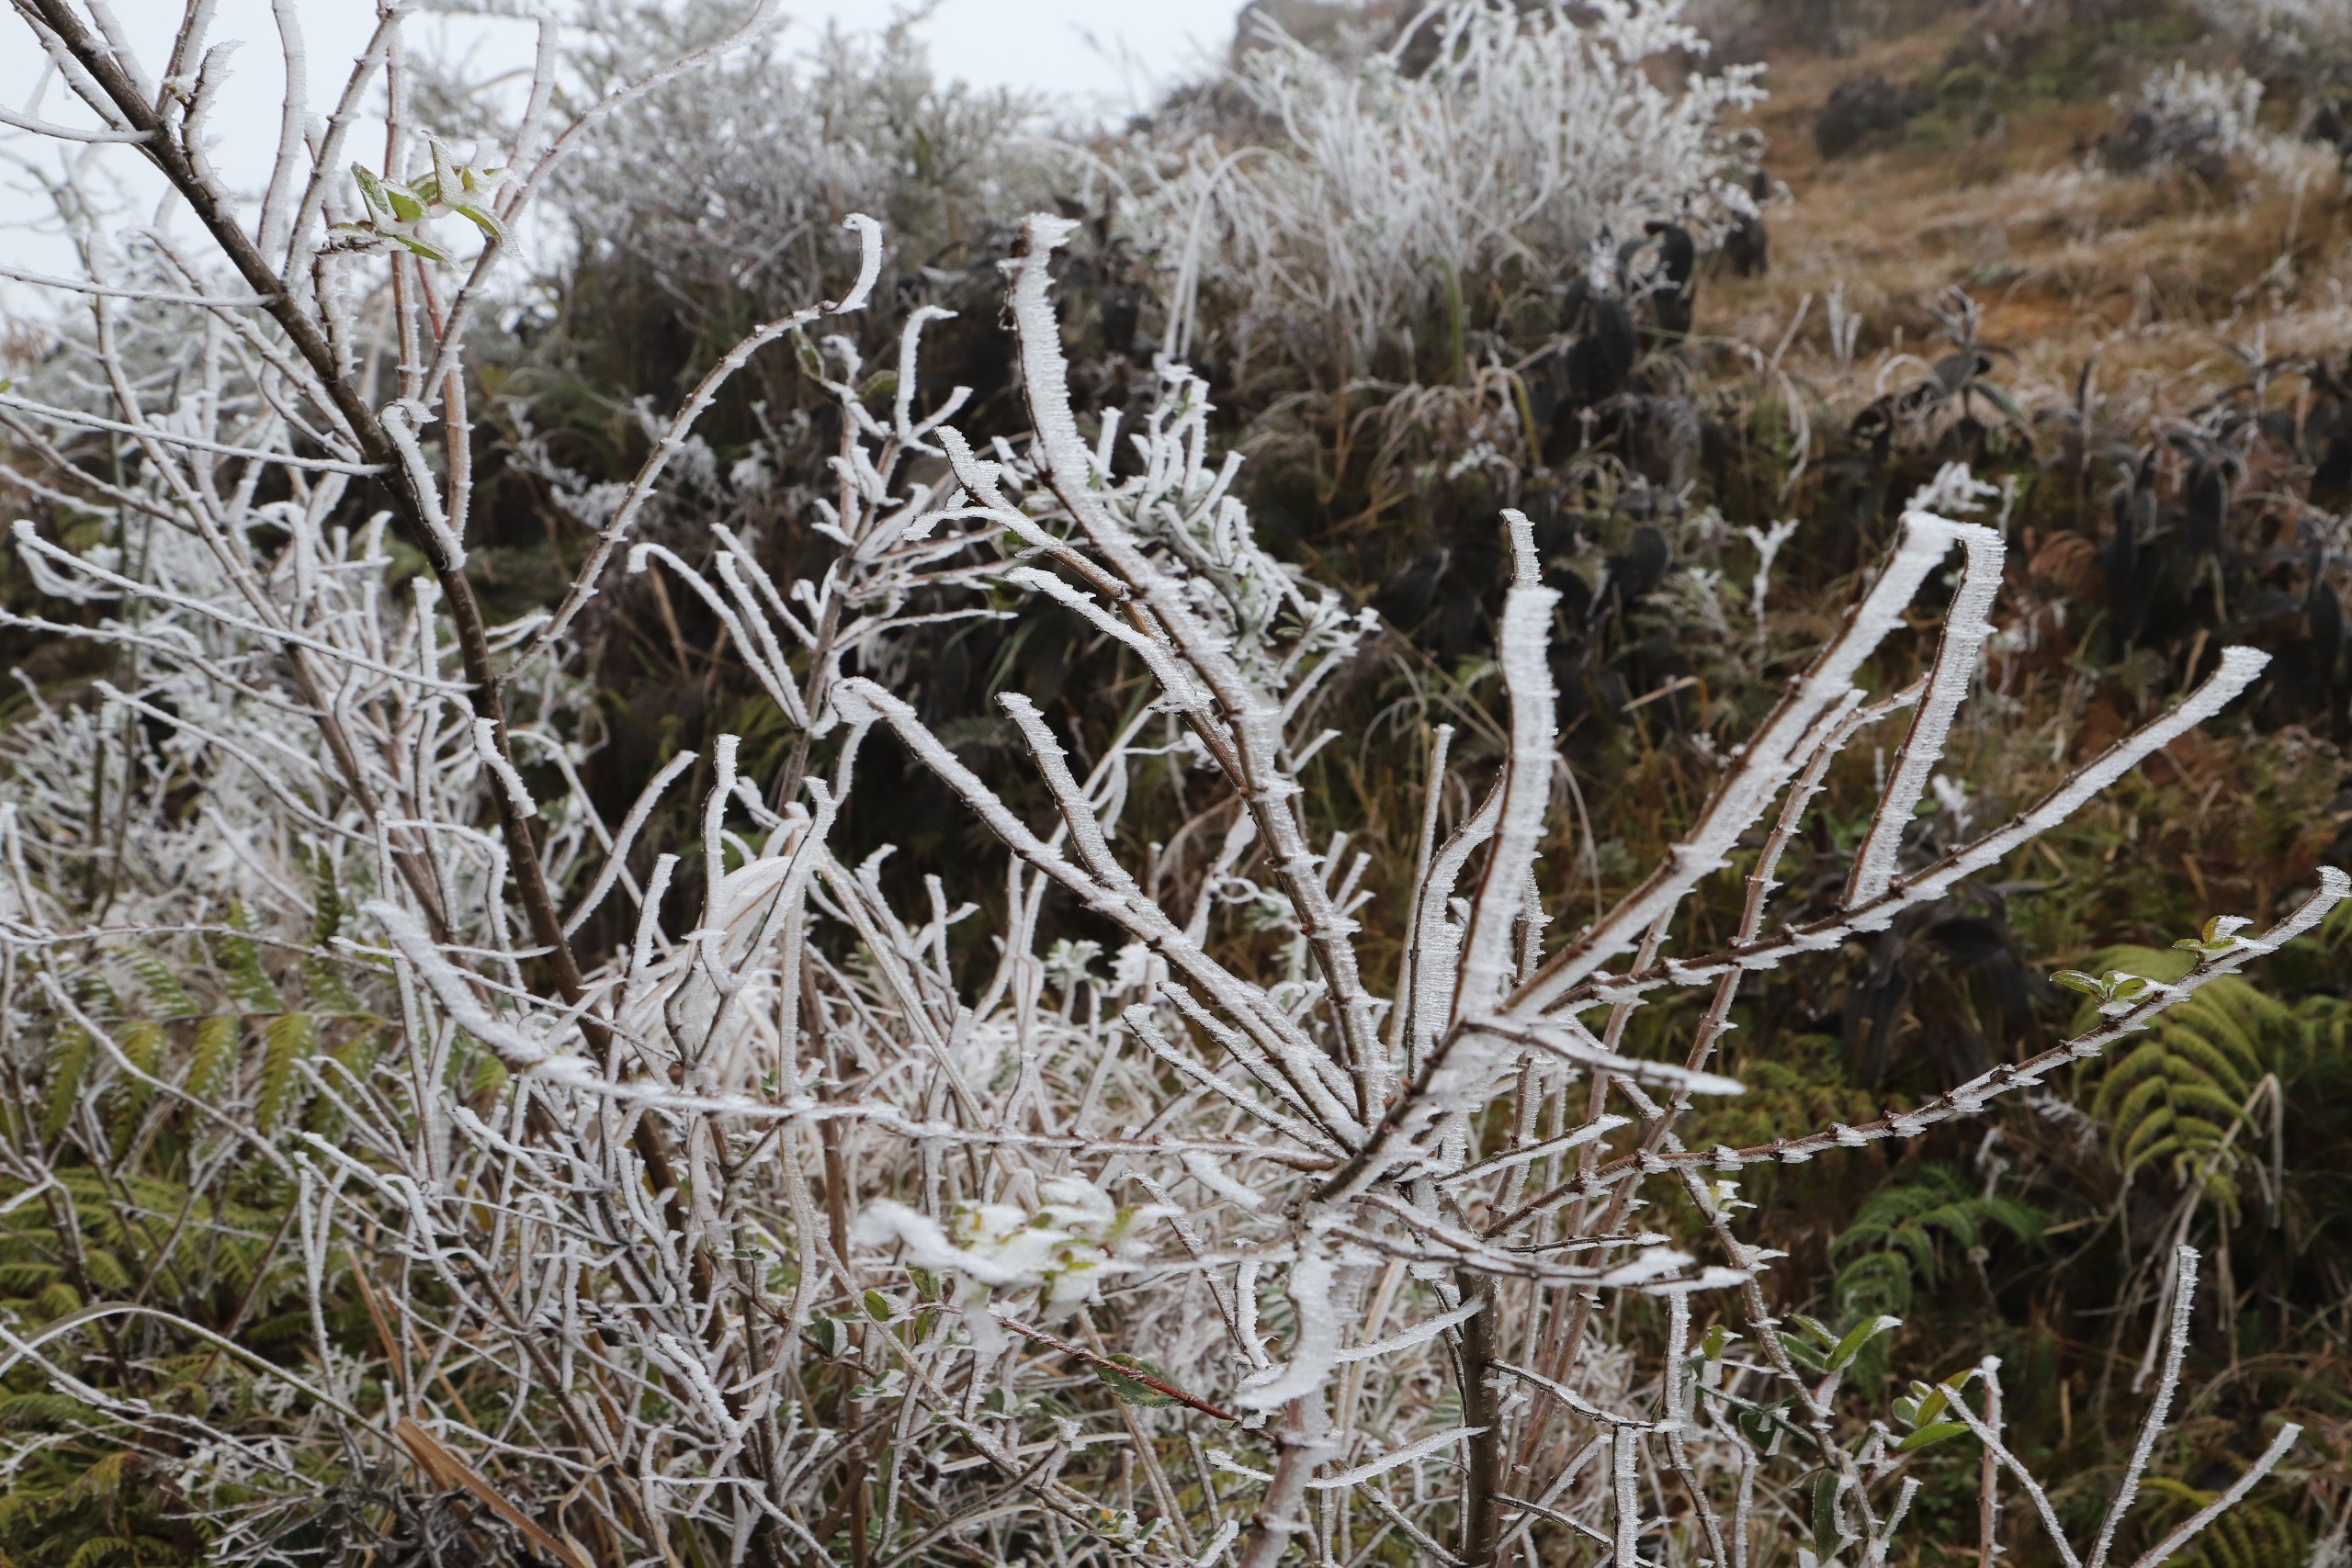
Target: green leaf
x=1803, y=1353
x=2075, y=980
x=1826, y=1539
x=481, y=218
x=1860, y=1335
x=1129, y=1390
x=877, y=1306
x=2006, y=404
x=1928, y=1436
x=445, y=183
x=1932, y=1401
x=490, y=1077
x=372, y=193
x=828, y=1335
x=1759, y=1422
x=2222, y=931
x=804, y=352
x=411, y=242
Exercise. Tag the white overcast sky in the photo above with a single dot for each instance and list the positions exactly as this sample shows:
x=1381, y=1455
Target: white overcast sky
x=1100, y=56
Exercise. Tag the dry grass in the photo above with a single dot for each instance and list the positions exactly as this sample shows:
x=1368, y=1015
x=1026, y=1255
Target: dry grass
x=2154, y=279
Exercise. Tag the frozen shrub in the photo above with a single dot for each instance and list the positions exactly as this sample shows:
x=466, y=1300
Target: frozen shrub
x=2199, y=123
x=2318, y=32
x=1488, y=139
x=722, y=194
x=377, y=1212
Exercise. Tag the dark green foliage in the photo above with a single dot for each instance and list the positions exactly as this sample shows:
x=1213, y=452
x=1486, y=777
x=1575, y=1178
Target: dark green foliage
x=2188, y=1097
x=1904, y=1234
x=2254, y=1534
x=232, y=1024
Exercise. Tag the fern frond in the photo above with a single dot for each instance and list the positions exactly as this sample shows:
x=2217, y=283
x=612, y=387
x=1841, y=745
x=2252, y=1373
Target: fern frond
x=211, y=1069
x=69, y=1060
x=1895, y=1240
x=326, y=900
x=41, y=1409
x=100, y=1549
x=288, y=1041
x=2173, y=1096
x=166, y=998
x=141, y=1041
x=2252, y=1535
x=22, y=1278
x=106, y=1272
x=249, y=984
x=329, y=991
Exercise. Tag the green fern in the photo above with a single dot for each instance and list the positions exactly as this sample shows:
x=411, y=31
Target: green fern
x=1897, y=1240
x=322, y=976
x=77, y=1493
x=329, y=991
x=1896, y=1243
x=2251, y=1535
x=173, y=1036
x=166, y=998
x=18, y=1411
x=69, y=1060
x=101, y=1549
x=2178, y=1097
x=249, y=984
x=288, y=1041
x=141, y=1043
x=326, y=901
x=212, y=1066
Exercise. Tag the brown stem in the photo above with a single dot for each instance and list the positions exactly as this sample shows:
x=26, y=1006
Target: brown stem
x=1104, y=1363
x=1482, y=1488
